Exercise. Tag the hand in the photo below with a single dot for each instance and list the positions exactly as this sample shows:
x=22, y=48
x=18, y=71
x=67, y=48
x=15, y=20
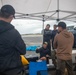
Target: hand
x=47, y=55
x=43, y=58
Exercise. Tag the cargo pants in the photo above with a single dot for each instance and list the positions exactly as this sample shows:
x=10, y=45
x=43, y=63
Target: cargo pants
x=62, y=64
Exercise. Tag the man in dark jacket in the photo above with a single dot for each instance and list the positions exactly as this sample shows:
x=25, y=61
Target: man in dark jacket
x=47, y=37
x=44, y=51
x=54, y=32
x=11, y=44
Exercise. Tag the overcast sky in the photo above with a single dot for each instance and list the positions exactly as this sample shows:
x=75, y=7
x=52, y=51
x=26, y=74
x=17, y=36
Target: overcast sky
x=33, y=26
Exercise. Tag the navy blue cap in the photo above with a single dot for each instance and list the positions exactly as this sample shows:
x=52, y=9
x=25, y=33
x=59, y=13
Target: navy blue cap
x=8, y=9
x=62, y=24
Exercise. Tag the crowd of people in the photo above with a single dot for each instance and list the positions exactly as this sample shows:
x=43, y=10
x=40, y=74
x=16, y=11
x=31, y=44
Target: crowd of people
x=61, y=42
x=12, y=45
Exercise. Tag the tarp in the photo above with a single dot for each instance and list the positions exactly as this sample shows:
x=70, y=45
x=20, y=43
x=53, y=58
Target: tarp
x=32, y=48
x=43, y=9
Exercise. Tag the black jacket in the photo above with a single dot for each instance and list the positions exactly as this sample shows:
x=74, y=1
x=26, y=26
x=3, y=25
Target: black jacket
x=47, y=35
x=54, y=32
x=11, y=47
x=43, y=52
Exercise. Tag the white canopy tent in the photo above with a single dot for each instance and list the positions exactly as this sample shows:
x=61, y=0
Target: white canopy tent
x=43, y=9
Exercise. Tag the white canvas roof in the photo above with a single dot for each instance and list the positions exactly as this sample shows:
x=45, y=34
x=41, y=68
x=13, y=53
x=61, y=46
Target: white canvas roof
x=43, y=9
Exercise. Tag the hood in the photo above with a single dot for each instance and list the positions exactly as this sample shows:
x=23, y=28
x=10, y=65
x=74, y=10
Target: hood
x=5, y=26
x=66, y=34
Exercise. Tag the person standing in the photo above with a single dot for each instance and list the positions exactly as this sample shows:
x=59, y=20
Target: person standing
x=63, y=42
x=47, y=37
x=54, y=32
x=11, y=44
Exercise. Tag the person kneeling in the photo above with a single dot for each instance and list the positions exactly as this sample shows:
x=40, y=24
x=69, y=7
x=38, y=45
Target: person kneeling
x=44, y=51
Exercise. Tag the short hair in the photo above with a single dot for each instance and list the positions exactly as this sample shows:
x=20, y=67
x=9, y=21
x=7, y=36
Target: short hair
x=55, y=25
x=6, y=11
x=62, y=24
x=48, y=25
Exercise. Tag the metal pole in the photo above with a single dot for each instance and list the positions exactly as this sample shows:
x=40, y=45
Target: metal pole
x=57, y=4
x=43, y=25
x=2, y=2
x=57, y=10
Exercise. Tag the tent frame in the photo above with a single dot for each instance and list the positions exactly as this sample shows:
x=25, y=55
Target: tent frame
x=42, y=17
x=39, y=16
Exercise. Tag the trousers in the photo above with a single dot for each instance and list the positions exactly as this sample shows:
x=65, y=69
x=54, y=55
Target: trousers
x=62, y=64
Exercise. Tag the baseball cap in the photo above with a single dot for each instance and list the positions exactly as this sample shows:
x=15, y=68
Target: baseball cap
x=45, y=43
x=62, y=24
x=8, y=9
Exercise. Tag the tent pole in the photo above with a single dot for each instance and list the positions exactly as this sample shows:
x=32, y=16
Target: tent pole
x=43, y=26
x=69, y=16
x=2, y=2
x=67, y=11
x=57, y=10
x=51, y=15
